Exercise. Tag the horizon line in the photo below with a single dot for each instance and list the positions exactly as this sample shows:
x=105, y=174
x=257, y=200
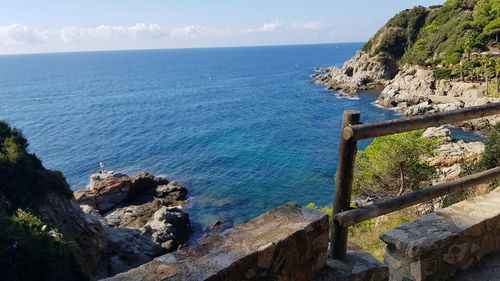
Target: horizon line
x=185, y=48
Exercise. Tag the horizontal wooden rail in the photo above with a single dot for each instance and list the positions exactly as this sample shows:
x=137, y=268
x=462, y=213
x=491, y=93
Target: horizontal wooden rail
x=354, y=216
x=365, y=131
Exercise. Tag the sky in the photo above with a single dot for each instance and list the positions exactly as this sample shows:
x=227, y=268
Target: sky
x=34, y=26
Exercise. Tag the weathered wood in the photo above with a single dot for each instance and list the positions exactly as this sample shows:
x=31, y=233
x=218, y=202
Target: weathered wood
x=352, y=217
x=365, y=131
x=343, y=183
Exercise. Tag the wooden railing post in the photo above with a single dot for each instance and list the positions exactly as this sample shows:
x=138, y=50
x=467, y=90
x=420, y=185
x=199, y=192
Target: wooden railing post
x=343, y=182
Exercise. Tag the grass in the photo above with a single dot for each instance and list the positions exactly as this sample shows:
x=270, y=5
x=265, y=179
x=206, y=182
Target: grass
x=366, y=234
x=492, y=90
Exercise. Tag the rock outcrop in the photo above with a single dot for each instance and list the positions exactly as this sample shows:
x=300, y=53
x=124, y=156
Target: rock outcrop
x=85, y=233
x=287, y=243
x=415, y=91
x=140, y=218
x=450, y=156
x=362, y=72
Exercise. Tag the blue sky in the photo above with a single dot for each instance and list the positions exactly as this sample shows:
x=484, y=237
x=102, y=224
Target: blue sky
x=32, y=26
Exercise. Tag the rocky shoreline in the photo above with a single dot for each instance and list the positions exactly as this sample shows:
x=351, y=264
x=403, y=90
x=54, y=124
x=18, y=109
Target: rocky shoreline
x=139, y=217
x=411, y=90
x=360, y=73
x=451, y=155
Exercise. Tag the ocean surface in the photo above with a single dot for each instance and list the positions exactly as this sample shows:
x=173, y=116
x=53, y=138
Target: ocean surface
x=244, y=128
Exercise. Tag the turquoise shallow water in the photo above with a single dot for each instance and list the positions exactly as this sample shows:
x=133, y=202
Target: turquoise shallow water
x=243, y=127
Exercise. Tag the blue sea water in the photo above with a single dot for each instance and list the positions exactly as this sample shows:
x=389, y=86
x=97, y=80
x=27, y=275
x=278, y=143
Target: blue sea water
x=244, y=128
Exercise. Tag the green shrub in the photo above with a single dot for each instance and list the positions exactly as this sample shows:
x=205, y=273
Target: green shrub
x=392, y=42
x=419, y=54
x=24, y=179
x=366, y=234
x=489, y=158
x=442, y=73
x=30, y=251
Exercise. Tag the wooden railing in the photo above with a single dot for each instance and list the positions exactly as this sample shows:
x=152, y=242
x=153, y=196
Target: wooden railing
x=352, y=131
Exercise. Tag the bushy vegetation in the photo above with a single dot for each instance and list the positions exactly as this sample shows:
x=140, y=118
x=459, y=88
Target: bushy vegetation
x=442, y=73
x=439, y=35
x=24, y=179
x=30, y=250
x=489, y=159
x=392, y=165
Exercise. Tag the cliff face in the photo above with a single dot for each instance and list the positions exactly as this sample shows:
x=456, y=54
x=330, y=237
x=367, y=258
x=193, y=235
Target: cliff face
x=119, y=223
x=362, y=72
x=25, y=184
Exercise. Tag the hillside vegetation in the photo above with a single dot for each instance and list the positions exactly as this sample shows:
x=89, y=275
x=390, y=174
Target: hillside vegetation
x=439, y=34
x=30, y=249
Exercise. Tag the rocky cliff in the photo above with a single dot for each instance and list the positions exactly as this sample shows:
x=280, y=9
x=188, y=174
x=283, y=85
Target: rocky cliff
x=141, y=218
x=362, y=72
x=118, y=223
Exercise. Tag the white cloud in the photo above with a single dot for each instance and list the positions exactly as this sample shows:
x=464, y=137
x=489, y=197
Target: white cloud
x=17, y=34
x=278, y=25
x=196, y=31
x=266, y=27
x=17, y=38
x=108, y=32
x=312, y=25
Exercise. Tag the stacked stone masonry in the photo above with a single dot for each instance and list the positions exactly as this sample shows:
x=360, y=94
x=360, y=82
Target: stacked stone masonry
x=288, y=243
x=357, y=266
x=437, y=246
x=285, y=244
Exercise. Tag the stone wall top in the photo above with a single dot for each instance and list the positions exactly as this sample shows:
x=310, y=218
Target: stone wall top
x=287, y=243
x=437, y=245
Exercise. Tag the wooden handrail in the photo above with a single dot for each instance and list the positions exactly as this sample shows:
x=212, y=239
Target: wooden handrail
x=352, y=131
x=365, y=131
x=343, y=182
x=354, y=216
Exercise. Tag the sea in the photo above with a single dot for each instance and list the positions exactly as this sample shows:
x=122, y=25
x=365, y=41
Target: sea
x=244, y=128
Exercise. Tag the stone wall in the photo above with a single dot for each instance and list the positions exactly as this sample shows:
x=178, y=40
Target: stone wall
x=288, y=243
x=357, y=266
x=436, y=246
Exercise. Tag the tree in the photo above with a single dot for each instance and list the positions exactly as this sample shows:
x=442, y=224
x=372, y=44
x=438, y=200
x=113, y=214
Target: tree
x=493, y=29
x=478, y=70
x=468, y=43
x=392, y=165
x=487, y=63
x=468, y=69
x=497, y=73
